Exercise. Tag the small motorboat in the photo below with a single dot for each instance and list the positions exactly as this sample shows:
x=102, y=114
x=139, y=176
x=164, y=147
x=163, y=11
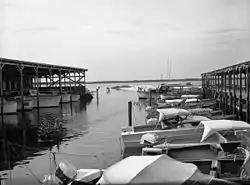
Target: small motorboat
x=159, y=169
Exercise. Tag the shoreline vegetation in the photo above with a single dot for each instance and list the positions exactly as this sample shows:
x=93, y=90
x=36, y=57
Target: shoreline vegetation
x=142, y=81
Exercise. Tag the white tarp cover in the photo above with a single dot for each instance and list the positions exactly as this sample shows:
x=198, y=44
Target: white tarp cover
x=190, y=96
x=213, y=126
x=192, y=100
x=174, y=101
x=149, y=170
x=145, y=87
x=171, y=113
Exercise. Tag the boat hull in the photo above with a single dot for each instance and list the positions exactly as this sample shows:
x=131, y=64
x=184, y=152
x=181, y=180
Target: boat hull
x=9, y=107
x=75, y=97
x=45, y=100
x=142, y=95
x=65, y=98
x=132, y=139
x=28, y=105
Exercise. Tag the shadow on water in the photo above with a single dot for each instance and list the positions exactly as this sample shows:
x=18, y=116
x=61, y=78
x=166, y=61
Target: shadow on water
x=19, y=137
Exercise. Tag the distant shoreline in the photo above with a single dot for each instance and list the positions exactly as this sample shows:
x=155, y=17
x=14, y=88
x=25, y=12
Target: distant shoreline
x=141, y=81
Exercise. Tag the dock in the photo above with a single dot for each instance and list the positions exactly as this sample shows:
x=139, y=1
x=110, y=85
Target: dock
x=17, y=75
x=230, y=86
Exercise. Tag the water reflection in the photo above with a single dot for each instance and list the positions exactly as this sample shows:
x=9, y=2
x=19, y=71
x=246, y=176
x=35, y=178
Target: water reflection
x=19, y=136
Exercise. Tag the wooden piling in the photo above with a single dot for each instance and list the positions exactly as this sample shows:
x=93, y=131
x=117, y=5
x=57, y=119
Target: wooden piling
x=21, y=86
x=97, y=95
x=129, y=113
x=247, y=91
x=150, y=97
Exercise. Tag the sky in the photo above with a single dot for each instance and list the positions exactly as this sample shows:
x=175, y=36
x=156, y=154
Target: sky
x=128, y=39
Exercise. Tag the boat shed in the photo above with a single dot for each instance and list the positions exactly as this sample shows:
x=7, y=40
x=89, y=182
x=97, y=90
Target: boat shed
x=230, y=86
x=18, y=75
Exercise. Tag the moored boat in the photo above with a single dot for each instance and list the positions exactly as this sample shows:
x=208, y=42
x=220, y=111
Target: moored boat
x=45, y=100
x=159, y=169
x=9, y=107
x=65, y=98
x=75, y=97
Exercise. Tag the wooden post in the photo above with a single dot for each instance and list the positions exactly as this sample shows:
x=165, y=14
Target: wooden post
x=70, y=86
x=150, y=97
x=240, y=98
x=247, y=91
x=1, y=81
x=37, y=87
x=221, y=89
x=230, y=91
x=60, y=84
x=225, y=93
x=2, y=115
x=129, y=113
x=234, y=91
x=97, y=95
x=21, y=79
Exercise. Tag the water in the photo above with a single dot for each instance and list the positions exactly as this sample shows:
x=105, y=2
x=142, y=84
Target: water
x=92, y=140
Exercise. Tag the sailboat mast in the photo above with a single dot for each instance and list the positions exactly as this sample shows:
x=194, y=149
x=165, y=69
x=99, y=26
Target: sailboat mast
x=169, y=73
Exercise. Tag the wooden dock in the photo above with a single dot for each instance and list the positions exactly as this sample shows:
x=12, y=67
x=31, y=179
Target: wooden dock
x=230, y=86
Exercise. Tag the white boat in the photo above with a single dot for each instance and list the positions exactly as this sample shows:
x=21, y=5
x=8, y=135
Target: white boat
x=75, y=97
x=158, y=169
x=9, y=107
x=168, y=97
x=187, y=96
x=143, y=90
x=131, y=137
x=45, y=100
x=28, y=105
x=65, y=98
x=211, y=131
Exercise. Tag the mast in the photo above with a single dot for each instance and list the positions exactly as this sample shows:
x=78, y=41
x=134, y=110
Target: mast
x=169, y=73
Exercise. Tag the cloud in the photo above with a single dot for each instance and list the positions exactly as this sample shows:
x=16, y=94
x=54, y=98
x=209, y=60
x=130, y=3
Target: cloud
x=224, y=31
x=39, y=29
x=127, y=32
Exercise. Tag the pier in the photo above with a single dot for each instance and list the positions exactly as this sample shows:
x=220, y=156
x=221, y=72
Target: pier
x=230, y=86
x=18, y=76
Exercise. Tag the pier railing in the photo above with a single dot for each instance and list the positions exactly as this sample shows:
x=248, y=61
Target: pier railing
x=230, y=86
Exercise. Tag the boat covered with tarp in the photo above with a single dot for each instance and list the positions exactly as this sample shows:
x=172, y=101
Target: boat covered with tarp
x=159, y=169
x=211, y=131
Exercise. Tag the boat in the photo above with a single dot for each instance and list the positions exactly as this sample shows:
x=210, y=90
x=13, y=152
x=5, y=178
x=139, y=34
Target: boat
x=75, y=97
x=158, y=169
x=191, y=133
x=45, y=100
x=28, y=104
x=143, y=91
x=9, y=107
x=228, y=161
x=65, y=97
x=165, y=120
x=210, y=131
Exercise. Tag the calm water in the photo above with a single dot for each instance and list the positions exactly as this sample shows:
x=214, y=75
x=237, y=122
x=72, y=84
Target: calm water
x=92, y=141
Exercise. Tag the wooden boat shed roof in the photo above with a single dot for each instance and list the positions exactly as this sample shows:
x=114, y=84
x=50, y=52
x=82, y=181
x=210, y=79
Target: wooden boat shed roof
x=12, y=66
x=238, y=68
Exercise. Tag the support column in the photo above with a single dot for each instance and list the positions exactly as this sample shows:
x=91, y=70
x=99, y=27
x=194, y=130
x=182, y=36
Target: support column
x=5, y=157
x=60, y=83
x=221, y=90
x=1, y=83
x=240, y=98
x=230, y=91
x=20, y=69
x=234, y=91
x=247, y=92
x=37, y=87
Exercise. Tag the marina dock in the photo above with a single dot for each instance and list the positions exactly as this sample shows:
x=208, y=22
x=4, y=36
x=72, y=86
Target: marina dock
x=230, y=86
x=17, y=77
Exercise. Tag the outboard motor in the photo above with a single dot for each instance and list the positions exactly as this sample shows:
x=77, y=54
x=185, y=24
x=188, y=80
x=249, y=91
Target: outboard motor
x=149, y=139
x=66, y=173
